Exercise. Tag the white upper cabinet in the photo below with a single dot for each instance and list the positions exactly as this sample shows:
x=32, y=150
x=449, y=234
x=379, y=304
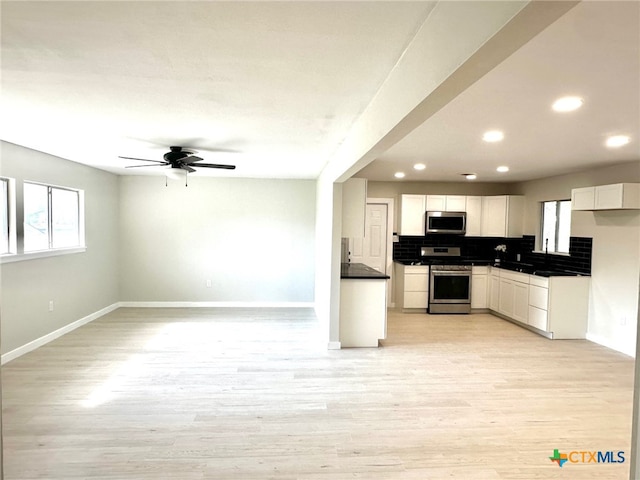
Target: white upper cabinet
x=583, y=198
x=455, y=203
x=412, y=208
x=446, y=203
x=354, y=206
x=474, y=216
x=619, y=196
x=502, y=216
x=436, y=203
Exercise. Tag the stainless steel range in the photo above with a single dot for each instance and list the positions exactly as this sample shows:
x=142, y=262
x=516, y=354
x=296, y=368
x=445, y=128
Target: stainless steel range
x=450, y=281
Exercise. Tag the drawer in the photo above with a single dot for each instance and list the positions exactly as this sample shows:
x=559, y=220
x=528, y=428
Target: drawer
x=483, y=270
x=539, y=297
x=416, y=269
x=416, y=283
x=539, y=281
x=515, y=276
x=415, y=300
x=538, y=318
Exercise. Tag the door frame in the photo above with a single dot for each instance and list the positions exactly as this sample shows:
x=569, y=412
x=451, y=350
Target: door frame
x=390, y=203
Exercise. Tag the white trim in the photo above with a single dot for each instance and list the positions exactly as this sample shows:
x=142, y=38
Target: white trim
x=334, y=346
x=218, y=304
x=613, y=345
x=38, y=342
x=20, y=257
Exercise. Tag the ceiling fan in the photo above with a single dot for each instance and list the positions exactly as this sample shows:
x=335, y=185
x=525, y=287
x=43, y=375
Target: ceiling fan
x=179, y=158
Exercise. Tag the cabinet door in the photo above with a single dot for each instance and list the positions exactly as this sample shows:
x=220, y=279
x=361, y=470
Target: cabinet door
x=415, y=299
x=456, y=203
x=521, y=302
x=416, y=283
x=474, y=216
x=436, y=203
x=494, y=216
x=494, y=293
x=479, y=291
x=609, y=197
x=507, y=297
x=412, y=208
x=583, y=198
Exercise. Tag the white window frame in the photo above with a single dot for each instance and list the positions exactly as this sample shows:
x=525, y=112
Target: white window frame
x=20, y=254
x=11, y=216
x=542, y=248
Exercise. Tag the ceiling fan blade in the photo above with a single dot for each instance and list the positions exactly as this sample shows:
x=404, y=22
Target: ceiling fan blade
x=143, y=160
x=215, y=165
x=188, y=168
x=150, y=165
x=191, y=159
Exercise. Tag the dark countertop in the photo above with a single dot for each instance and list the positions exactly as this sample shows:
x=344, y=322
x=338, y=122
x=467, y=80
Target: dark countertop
x=360, y=271
x=512, y=266
x=450, y=261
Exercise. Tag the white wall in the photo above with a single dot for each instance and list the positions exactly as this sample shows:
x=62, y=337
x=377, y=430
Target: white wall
x=253, y=238
x=79, y=284
x=615, y=269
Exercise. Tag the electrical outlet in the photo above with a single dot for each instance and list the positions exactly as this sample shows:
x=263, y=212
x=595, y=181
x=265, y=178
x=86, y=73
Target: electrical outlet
x=51, y=305
x=623, y=321
x=208, y=283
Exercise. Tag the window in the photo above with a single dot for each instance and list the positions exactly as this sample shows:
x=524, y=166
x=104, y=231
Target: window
x=52, y=217
x=556, y=226
x=5, y=234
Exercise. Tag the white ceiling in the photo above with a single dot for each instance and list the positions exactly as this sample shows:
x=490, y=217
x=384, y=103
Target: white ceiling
x=274, y=87
x=592, y=52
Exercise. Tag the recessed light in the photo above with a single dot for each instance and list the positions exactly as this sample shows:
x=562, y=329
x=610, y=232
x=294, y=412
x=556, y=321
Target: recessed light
x=502, y=169
x=567, y=104
x=493, y=136
x=399, y=175
x=616, y=141
x=470, y=176
x=419, y=166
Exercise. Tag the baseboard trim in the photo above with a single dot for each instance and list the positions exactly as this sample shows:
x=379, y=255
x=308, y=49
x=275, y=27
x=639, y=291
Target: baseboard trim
x=334, y=346
x=38, y=342
x=605, y=342
x=218, y=304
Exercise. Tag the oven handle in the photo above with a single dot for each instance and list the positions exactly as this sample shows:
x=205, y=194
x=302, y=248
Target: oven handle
x=459, y=273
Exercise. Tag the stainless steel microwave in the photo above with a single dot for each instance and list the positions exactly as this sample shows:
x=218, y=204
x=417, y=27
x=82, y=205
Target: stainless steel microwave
x=454, y=223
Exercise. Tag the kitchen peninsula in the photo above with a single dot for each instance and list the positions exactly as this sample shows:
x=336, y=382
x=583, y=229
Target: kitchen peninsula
x=363, y=305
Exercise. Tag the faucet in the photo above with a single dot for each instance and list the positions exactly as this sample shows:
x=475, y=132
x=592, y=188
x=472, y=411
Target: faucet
x=546, y=252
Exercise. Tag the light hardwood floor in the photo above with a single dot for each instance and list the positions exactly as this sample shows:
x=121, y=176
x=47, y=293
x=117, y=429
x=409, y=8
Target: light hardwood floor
x=254, y=394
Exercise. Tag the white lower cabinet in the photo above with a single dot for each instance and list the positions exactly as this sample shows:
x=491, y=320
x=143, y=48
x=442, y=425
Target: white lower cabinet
x=521, y=302
x=494, y=290
x=557, y=307
x=412, y=287
x=538, y=318
x=513, y=300
x=479, y=286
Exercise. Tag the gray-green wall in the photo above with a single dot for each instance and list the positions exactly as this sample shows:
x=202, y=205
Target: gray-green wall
x=79, y=284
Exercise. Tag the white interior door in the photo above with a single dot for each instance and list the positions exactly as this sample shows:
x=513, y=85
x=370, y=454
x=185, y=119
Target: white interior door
x=372, y=249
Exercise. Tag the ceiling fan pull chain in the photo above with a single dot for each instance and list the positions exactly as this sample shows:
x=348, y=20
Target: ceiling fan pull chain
x=166, y=181
x=186, y=177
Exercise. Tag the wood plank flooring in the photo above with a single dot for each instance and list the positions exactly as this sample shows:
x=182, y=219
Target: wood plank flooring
x=254, y=394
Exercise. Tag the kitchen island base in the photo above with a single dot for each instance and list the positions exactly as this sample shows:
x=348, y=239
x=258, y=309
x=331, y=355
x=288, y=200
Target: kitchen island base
x=363, y=306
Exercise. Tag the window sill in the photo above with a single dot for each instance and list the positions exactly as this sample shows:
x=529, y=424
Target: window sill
x=560, y=254
x=22, y=257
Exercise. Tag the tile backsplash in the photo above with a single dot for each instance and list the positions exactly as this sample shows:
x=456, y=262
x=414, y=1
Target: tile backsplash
x=407, y=249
